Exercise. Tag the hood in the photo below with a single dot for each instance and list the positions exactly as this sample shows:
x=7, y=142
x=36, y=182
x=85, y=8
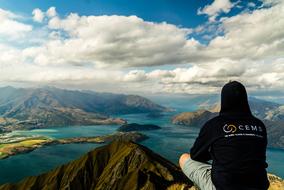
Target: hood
x=234, y=99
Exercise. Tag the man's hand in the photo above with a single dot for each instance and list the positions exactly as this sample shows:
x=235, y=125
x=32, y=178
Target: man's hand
x=183, y=158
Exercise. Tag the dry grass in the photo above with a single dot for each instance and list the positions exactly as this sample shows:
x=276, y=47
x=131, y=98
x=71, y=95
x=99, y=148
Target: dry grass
x=178, y=186
x=9, y=148
x=33, y=142
x=276, y=183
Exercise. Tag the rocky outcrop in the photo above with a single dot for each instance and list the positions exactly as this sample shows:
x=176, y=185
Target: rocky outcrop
x=196, y=118
x=275, y=133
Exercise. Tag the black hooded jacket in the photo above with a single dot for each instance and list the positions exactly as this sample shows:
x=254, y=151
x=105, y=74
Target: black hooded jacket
x=236, y=143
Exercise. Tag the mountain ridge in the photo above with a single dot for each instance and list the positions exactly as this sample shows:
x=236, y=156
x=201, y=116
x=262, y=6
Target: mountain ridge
x=50, y=106
x=118, y=165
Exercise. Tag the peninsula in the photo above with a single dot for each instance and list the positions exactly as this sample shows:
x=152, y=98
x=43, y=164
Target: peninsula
x=26, y=144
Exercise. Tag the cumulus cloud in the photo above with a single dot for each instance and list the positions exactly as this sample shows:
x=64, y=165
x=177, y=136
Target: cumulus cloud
x=251, y=4
x=211, y=76
x=216, y=8
x=120, y=41
x=38, y=15
x=10, y=27
x=87, y=50
x=51, y=12
x=135, y=76
x=129, y=41
x=203, y=73
x=255, y=35
x=271, y=2
x=116, y=41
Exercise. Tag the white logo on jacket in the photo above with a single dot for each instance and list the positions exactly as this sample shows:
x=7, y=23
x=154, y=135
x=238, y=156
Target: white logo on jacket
x=231, y=128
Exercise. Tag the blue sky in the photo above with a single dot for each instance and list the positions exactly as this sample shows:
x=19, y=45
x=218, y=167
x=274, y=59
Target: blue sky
x=181, y=12
x=165, y=46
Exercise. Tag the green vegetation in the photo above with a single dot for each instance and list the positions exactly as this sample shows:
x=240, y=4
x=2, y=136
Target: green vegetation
x=3, y=155
x=24, y=145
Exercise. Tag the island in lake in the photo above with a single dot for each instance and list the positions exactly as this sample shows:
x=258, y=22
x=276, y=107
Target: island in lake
x=138, y=127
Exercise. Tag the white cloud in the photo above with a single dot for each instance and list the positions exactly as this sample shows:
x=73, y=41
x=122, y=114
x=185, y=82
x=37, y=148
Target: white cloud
x=7, y=14
x=129, y=41
x=255, y=35
x=38, y=15
x=120, y=41
x=25, y=72
x=115, y=53
x=10, y=27
x=51, y=12
x=211, y=76
x=8, y=55
x=271, y=2
x=216, y=8
x=135, y=76
x=202, y=73
x=251, y=4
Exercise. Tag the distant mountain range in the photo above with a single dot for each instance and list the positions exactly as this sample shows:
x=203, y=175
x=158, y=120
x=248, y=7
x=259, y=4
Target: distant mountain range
x=50, y=106
x=272, y=114
x=260, y=108
x=120, y=165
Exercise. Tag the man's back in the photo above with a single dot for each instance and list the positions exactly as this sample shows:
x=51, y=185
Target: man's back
x=236, y=142
x=237, y=146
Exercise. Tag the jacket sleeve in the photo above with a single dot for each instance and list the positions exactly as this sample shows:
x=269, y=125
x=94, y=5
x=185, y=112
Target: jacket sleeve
x=200, y=150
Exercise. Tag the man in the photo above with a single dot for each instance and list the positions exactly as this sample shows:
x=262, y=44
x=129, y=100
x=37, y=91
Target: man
x=236, y=143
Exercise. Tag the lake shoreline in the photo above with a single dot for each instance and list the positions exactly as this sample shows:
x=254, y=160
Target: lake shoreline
x=29, y=144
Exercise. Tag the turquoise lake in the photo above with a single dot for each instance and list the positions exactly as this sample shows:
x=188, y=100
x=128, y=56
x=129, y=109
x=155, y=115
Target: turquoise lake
x=170, y=142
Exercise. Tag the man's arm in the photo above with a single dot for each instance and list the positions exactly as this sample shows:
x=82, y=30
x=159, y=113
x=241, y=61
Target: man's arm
x=200, y=150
